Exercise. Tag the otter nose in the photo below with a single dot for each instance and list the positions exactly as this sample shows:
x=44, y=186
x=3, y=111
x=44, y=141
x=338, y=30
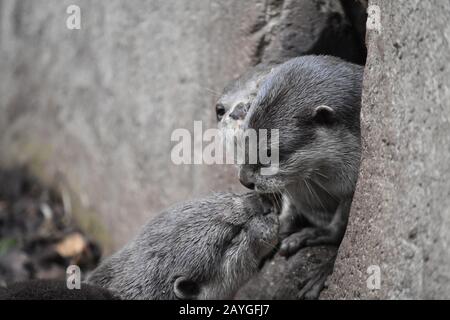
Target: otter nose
x=239, y=112
x=246, y=183
x=245, y=179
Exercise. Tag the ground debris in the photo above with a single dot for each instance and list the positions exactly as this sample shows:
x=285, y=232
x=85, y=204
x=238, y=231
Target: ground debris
x=38, y=239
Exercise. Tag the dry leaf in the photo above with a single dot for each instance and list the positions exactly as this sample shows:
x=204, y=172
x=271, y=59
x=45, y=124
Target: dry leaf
x=72, y=245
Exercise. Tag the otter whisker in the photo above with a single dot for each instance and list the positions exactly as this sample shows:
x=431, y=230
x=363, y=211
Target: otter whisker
x=288, y=194
x=275, y=196
x=210, y=91
x=316, y=171
x=324, y=189
x=280, y=196
x=313, y=193
x=305, y=183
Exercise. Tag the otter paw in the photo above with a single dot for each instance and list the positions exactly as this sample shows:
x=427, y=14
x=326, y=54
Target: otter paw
x=308, y=237
x=297, y=240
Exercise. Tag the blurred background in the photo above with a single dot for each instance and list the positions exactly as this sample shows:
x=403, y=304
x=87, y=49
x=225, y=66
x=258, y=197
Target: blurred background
x=86, y=117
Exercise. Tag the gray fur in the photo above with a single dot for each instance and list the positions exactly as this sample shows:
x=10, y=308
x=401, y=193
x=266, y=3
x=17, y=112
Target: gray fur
x=319, y=160
x=216, y=243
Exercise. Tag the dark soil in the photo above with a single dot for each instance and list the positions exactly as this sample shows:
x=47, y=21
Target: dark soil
x=38, y=238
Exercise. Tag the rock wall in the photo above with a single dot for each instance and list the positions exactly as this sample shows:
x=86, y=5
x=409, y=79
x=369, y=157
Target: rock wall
x=400, y=219
x=92, y=110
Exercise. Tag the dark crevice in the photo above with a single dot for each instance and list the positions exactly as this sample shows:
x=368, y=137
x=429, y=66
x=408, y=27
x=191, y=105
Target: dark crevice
x=340, y=39
x=343, y=35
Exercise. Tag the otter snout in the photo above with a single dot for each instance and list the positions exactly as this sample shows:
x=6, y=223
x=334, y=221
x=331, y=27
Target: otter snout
x=239, y=111
x=246, y=180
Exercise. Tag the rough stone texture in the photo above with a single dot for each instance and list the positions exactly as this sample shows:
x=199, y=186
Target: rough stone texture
x=92, y=110
x=400, y=218
x=300, y=276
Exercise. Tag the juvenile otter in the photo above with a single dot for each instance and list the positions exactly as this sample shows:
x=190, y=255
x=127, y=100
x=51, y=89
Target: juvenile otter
x=314, y=102
x=201, y=249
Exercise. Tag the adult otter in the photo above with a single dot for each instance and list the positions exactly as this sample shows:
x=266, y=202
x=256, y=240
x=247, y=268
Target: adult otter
x=314, y=102
x=202, y=249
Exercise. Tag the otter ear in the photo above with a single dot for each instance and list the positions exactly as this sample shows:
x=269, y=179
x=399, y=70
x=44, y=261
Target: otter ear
x=324, y=114
x=186, y=289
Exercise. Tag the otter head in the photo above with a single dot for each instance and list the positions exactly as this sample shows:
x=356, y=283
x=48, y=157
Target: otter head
x=220, y=244
x=203, y=249
x=233, y=105
x=314, y=103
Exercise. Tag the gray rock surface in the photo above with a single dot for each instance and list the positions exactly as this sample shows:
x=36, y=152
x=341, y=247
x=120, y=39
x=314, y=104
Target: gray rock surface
x=92, y=110
x=400, y=219
x=301, y=276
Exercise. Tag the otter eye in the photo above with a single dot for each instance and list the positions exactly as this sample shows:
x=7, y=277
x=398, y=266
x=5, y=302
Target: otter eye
x=220, y=111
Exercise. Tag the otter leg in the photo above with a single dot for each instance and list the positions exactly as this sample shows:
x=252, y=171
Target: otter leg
x=288, y=218
x=312, y=236
x=306, y=237
x=312, y=289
